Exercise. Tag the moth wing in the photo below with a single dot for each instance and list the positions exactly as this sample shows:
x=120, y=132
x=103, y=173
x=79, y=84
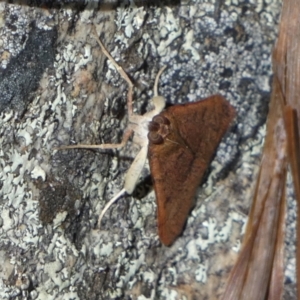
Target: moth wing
x=202, y=124
x=179, y=163
x=175, y=185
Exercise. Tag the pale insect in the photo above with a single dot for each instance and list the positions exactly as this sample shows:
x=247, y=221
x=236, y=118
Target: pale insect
x=137, y=124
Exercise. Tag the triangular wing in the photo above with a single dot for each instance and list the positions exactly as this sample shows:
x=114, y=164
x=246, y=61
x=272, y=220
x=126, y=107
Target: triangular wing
x=179, y=160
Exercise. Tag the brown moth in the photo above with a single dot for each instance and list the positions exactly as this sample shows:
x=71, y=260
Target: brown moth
x=180, y=143
x=183, y=139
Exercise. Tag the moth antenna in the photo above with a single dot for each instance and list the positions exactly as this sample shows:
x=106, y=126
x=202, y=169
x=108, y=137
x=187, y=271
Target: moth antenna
x=172, y=141
x=180, y=144
x=157, y=79
x=108, y=205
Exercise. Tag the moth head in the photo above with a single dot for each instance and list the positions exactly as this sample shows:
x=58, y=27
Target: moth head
x=159, y=128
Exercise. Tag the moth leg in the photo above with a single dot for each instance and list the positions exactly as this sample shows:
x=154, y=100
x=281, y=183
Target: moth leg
x=159, y=102
x=157, y=80
x=131, y=179
x=108, y=205
x=125, y=139
x=121, y=72
x=134, y=172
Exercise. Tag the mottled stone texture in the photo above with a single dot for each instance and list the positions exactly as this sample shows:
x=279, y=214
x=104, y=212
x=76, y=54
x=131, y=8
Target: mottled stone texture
x=22, y=75
x=50, y=200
